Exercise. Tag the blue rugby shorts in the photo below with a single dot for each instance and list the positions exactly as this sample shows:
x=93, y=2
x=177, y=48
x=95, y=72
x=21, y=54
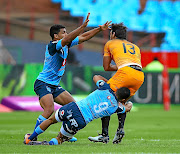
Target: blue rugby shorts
x=41, y=89
x=72, y=119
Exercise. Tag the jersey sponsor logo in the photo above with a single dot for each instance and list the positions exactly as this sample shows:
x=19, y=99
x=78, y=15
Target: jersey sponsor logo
x=73, y=122
x=101, y=107
x=109, y=97
x=71, y=119
x=64, y=62
x=48, y=89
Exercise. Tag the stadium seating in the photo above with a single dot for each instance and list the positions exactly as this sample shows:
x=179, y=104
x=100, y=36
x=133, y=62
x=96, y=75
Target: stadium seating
x=68, y=4
x=152, y=13
x=81, y=7
x=152, y=6
x=167, y=8
x=176, y=7
x=154, y=24
x=157, y=16
x=136, y=23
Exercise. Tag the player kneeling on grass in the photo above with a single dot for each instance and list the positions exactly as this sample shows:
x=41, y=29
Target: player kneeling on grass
x=76, y=115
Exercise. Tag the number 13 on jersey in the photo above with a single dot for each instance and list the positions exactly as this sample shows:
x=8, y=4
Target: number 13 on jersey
x=129, y=48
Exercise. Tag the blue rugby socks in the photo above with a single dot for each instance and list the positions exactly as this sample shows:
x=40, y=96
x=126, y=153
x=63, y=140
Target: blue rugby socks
x=36, y=132
x=40, y=119
x=53, y=141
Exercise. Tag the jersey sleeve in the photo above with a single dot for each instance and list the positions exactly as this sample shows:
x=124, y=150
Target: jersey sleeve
x=54, y=47
x=74, y=42
x=121, y=109
x=106, y=50
x=102, y=85
x=59, y=45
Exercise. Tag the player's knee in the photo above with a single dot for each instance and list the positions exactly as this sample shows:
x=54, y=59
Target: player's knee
x=96, y=77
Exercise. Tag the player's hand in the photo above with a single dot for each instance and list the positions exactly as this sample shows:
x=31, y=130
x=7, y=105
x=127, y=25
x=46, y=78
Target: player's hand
x=105, y=26
x=128, y=106
x=86, y=21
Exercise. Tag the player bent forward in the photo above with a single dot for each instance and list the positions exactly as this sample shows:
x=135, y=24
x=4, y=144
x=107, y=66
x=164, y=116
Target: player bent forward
x=75, y=116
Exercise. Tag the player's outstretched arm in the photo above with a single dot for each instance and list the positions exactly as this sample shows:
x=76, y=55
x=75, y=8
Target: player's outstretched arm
x=72, y=35
x=91, y=33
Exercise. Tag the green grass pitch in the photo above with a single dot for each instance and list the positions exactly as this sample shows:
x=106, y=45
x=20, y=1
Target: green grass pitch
x=148, y=128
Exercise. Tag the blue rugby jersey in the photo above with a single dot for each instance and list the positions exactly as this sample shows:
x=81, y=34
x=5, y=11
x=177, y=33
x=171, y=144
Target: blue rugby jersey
x=100, y=103
x=55, y=61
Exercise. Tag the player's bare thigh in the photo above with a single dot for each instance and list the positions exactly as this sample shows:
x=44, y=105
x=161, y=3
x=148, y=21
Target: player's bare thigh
x=64, y=98
x=47, y=101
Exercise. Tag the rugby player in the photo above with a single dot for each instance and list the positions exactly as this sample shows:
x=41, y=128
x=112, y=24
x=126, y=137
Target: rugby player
x=127, y=58
x=47, y=85
x=75, y=116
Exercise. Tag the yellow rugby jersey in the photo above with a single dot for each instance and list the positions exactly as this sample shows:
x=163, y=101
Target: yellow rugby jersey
x=123, y=53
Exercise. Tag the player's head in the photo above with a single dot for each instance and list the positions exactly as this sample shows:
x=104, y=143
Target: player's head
x=118, y=31
x=122, y=94
x=57, y=32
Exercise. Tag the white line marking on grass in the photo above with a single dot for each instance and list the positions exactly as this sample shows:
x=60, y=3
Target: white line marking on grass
x=155, y=140
x=11, y=131
x=52, y=132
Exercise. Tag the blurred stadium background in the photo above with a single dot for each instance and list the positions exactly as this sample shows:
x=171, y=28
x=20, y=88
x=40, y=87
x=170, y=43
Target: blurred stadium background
x=24, y=31
x=152, y=24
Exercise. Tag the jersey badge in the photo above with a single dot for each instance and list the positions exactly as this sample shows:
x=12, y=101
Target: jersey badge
x=48, y=89
x=109, y=97
x=62, y=113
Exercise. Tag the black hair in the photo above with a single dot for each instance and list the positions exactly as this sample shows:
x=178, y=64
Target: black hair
x=120, y=30
x=122, y=93
x=55, y=29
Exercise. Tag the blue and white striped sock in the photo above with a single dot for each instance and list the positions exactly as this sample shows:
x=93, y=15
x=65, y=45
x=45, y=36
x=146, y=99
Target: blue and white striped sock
x=36, y=132
x=40, y=119
x=53, y=141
